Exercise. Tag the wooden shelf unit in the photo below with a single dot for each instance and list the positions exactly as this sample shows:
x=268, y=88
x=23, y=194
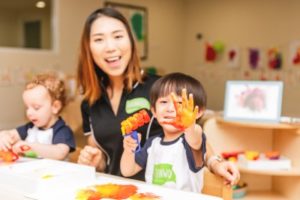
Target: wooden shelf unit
x=226, y=136
x=263, y=195
x=292, y=172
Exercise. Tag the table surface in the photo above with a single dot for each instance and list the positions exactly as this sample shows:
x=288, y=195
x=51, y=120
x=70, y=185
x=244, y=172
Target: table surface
x=8, y=192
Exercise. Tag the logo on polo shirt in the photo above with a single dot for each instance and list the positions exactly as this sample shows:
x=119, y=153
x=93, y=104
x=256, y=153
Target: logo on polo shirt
x=136, y=104
x=163, y=173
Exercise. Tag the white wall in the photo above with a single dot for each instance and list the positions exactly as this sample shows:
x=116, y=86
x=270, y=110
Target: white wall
x=173, y=46
x=165, y=48
x=255, y=23
x=70, y=16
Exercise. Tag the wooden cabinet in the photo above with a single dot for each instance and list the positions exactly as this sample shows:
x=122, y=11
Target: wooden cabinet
x=227, y=136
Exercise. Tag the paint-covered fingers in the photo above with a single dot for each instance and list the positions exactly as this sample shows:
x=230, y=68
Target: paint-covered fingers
x=177, y=106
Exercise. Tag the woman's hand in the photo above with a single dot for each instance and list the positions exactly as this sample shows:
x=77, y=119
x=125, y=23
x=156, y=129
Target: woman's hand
x=92, y=156
x=227, y=170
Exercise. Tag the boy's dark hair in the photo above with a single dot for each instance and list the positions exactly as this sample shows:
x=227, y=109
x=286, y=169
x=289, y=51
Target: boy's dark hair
x=175, y=82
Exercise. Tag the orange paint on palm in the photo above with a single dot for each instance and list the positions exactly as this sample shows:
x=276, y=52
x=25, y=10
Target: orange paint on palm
x=186, y=112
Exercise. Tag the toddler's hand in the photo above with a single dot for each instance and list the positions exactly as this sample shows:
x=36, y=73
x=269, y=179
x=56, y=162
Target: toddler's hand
x=18, y=147
x=186, y=113
x=130, y=144
x=6, y=140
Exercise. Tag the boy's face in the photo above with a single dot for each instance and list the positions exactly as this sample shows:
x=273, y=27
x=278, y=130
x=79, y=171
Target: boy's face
x=165, y=112
x=40, y=109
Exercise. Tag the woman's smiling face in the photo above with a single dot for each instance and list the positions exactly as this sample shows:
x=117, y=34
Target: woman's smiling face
x=110, y=45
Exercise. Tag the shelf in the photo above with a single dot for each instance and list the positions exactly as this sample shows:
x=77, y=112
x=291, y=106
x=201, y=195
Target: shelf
x=274, y=126
x=292, y=172
x=263, y=195
x=262, y=137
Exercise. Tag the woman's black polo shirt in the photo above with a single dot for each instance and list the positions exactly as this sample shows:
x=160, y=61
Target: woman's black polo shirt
x=106, y=126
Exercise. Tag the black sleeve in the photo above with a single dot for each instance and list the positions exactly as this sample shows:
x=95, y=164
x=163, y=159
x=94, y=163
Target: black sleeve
x=65, y=136
x=22, y=130
x=85, y=114
x=190, y=156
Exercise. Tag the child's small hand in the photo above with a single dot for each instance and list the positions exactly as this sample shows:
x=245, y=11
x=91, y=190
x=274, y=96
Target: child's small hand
x=18, y=147
x=130, y=144
x=6, y=140
x=186, y=113
x=228, y=170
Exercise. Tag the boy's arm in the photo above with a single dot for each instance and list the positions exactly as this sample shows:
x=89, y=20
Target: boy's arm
x=8, y=138
x=193, y=136
x=52, y=151
x=128, y=165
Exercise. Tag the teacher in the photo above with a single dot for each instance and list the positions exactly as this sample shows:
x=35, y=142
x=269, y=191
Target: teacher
x=113, y=86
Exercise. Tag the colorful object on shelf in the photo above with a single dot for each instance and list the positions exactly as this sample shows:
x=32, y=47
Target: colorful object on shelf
x=231, y=156
x=186, y=113
x=8, y=156
x=132, y=123
x=239, y=190
x=113, y=191
x=264, y=163
x=272, y=155
x=275, y=58
x=252, y=155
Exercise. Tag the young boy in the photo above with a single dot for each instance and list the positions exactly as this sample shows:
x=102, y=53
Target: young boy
x=46, y=134
x=176, y=157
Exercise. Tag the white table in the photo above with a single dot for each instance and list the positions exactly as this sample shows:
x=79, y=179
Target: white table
x=67, y=189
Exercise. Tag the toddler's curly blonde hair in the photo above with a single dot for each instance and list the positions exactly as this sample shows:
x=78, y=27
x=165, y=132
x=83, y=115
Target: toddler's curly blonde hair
x=54, y=85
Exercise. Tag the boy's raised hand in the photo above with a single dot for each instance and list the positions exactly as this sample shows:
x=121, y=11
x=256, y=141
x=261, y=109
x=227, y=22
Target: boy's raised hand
x=186, y=113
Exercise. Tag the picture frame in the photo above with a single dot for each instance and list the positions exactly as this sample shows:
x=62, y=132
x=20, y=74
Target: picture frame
x=137, y=17
x=257, y=101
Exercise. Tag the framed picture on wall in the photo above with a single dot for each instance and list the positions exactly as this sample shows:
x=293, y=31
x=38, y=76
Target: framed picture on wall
x=259, y=101
x=137, y=17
